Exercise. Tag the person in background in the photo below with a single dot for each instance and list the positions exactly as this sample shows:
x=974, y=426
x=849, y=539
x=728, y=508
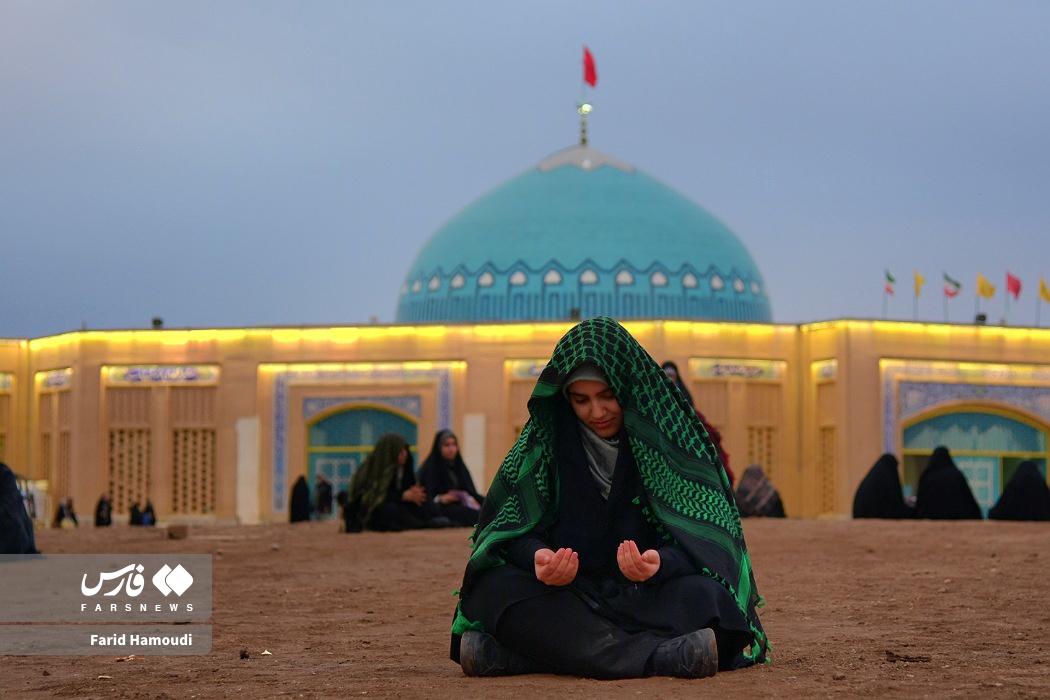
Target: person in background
x=65, y=516
x=944, y=493
x=447, y=481
x=879, y=494
x=149, y=518
x=716, y=437
x=1026, y=496
x=756, y=496
x=608, y=545
x=299, y=502
x=384, y=495
x=16, y=527
x=103, y=512
x=322, y=497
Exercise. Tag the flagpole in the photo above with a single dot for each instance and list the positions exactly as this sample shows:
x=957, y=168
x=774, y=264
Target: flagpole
x=1006, y=308
x=583, y=108
x=590, y=77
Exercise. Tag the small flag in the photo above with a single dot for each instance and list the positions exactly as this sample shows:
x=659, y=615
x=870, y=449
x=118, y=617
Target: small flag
x=890, y=281
x=985, y=288
x=1044, y=291
x=1013, y=285
x=919, y=281
x=951, y=287
x=590, y=72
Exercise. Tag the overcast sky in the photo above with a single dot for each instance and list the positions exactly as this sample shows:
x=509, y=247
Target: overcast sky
x=236, y=163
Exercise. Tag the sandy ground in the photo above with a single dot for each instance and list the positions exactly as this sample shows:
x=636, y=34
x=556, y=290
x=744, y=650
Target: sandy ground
x=881, y=609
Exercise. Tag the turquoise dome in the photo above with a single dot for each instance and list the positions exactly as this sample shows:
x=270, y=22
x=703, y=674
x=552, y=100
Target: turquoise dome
x=583, y=235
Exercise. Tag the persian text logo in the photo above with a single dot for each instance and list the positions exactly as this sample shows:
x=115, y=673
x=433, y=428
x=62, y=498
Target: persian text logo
x=166, y=580
x=135, y=582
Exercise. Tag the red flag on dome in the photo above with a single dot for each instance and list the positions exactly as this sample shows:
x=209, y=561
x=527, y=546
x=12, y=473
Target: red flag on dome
x=590, y=73
x=1013, y=285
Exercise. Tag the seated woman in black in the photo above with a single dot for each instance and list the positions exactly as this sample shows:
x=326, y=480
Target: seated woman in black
x=944, y=493
x=756, y=496
x=608, y=545
x=447, y=481
x=879, y=494
x=1026, y=496
x=16, y=528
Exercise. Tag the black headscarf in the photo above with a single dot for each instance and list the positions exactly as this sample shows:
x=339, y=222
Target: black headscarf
x=1026, y=496
x=944, y=493
x=438, y=475
x=879, y=494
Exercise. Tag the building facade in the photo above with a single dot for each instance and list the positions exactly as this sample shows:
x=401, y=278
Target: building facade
x=215, y=425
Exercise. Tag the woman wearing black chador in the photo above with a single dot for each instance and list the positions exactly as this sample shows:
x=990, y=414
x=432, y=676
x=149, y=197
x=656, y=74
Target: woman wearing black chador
x=447, y=481
x=944, y=493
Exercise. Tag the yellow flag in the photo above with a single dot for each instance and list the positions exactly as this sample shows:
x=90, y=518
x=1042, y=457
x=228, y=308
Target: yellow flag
x=1044, y=291
x=985, y=288
x=919, y=281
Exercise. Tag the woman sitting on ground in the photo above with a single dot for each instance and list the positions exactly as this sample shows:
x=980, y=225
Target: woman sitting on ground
x=384, y=494
x=608, y=545
x=448, y=483
x=879, y=494
x=1026, y=496
x=944, y=493
x=756, y=496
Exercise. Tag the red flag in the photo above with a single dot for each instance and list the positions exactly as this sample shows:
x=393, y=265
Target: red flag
x=590, y=73
x=1013, y=285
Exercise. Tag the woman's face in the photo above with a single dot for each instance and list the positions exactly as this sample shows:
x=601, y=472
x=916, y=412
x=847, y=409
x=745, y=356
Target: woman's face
x=449, y=448
x=596, y=406
x=402, y=457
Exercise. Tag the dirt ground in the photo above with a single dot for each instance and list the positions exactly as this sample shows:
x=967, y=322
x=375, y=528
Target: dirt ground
x=882, y=609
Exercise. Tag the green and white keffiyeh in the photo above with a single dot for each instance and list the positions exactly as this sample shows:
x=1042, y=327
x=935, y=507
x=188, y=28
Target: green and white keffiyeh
x=687, y=488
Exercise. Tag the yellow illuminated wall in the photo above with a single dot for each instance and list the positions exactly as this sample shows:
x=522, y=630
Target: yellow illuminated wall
x=218, y=431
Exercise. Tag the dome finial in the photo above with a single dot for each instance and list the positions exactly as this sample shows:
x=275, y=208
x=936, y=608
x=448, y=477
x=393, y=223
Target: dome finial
x=584, y=109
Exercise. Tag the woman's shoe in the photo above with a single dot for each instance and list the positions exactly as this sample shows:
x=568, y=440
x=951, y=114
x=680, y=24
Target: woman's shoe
x=481, y=655
x=693, y=655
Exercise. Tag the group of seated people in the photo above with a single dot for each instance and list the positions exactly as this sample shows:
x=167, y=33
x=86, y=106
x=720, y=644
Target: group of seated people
x=944, y=493
x=387, y=494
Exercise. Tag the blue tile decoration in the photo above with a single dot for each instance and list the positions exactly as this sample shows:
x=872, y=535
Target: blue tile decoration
x=439, y=374
x=912, y=387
